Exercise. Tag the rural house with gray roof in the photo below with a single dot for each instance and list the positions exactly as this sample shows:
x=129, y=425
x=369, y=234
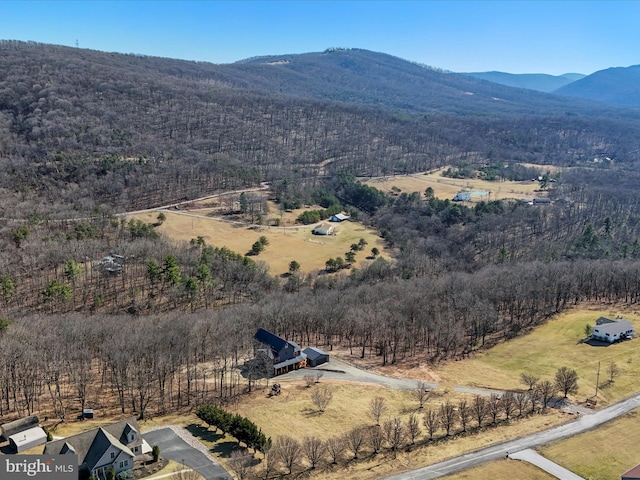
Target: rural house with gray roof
x=115, y=446
x=607, y=330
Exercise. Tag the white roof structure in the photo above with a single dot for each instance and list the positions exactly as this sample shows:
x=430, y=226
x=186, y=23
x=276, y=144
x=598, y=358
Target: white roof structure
x=27, y=439
x=339, y=217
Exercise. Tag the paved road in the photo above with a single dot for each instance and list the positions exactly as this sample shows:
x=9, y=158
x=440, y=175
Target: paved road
x=339, y=370
x=494, y=452
x=533, y=457
x=175, y=448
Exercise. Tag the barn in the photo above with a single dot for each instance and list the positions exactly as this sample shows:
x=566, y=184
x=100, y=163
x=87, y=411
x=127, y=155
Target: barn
x=17, y=426
x=315, y=356
x=323, y=229
x=27, y=439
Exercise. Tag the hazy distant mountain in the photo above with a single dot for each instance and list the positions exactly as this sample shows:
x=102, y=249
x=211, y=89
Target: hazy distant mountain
x=384, y=81
x=532, y=81
x=618, y=86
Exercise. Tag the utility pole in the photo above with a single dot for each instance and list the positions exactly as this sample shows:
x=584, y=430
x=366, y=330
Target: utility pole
x=597, y=379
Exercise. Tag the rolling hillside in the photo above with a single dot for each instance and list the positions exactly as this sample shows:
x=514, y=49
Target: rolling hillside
x=532, y=81
x=614, y=86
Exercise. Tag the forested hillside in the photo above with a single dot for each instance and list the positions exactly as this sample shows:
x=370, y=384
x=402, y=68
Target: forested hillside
x=86, y=136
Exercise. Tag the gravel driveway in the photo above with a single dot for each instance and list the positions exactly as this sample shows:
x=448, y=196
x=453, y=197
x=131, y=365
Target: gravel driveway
x=179, y=445
x=338, y=370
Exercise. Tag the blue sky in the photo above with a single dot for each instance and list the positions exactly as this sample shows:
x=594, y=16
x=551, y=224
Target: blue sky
x=515, y=36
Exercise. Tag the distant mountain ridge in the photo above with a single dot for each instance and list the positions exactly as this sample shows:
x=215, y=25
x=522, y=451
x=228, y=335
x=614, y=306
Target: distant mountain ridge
x=540, y=82
x=383, y=81
x=619, y=86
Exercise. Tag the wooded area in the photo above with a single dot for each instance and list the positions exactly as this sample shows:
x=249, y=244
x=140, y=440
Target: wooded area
x=85, y=136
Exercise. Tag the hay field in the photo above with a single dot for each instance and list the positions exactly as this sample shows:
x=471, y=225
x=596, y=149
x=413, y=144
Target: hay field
x=286, y=243
x=293, y=411
x=444, y=187
x=502, y=469
x=603, y=453
x=549, y=347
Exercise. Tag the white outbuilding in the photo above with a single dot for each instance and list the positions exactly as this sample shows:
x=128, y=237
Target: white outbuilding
x=27, y=439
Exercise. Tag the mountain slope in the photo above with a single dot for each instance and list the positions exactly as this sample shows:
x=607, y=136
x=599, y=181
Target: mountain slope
x=532, y=81
x=384, y=81
x=615, y=86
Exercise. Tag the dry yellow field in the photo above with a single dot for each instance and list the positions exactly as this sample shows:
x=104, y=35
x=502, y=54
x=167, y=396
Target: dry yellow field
x=604, y=453
x=502, y=470
x=293, y=411
x=444, y=187
x=549, y=347
x=285, y=243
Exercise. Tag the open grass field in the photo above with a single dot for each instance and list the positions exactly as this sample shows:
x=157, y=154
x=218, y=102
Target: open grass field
x=285, y=243
x=293, y=411
x=604, y=453
x=444, y=187
x=551, y=346
x=502, y=469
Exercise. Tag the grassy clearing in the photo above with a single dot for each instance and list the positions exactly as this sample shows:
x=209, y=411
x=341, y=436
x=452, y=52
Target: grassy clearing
x=444, y=187
x=293, y=411
x=502, y=469
x=549, y=347
x=603, y=453
x=285, y=244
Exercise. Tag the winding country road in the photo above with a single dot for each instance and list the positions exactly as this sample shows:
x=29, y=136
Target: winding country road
x=494, y=452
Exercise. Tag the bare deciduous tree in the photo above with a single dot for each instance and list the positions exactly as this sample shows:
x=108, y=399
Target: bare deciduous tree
x=335, y=448
x=465, y=414
x=394, y=433
x=413, y=428
x=479, y=408
x=377, y=407
x=529, y=379
x=494, y=406
x=321, y=396
x=314, y=450
x=375, y=436
x=240, y=464
x=287, y=450
x=508, y=404
x=354, y=439
x=448, y=417
x=567, y=381
x=521, y=400
x=421, y=393
x=546, y=390
x=431, y=420
x=309, y=380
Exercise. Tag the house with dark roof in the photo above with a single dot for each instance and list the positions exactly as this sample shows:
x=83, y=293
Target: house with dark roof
x=339, y=217
x=610, y=331
x=316, y=356
x=115, y=446
x=285, y=355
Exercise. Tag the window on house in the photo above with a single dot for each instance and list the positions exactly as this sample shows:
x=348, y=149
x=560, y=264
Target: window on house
x=133, y=437
x=113, y=454
x=121, y=464
x=126, y=463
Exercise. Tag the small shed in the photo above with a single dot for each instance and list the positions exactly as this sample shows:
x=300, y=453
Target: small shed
x=323, y=229
x=27, y=439
x=17, y=426
x=315, y=356
x=87, y=413
x=339, y=217
x=462, y=197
